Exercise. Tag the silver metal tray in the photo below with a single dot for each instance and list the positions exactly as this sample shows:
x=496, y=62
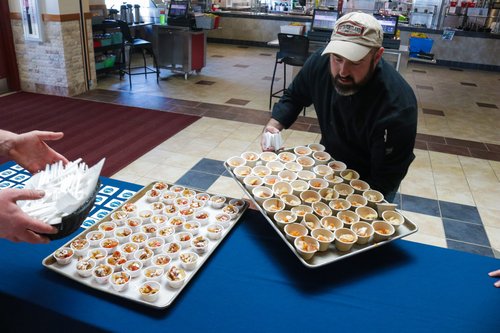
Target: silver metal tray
x=167, y=294
x=332, y=254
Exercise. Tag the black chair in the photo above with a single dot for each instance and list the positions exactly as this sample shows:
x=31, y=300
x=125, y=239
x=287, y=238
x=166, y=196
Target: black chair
x=293, y=51
x=134, y=44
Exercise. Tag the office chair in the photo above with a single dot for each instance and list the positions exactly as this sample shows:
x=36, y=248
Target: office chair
x=293, y=51
x=136, y=44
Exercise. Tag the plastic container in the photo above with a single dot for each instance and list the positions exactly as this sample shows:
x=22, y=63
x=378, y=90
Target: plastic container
x=420, y=45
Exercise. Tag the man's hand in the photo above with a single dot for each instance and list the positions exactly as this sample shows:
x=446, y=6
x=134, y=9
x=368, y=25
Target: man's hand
x=30, y=150
x=16, y=225
x=496, y=274
x=273, y=126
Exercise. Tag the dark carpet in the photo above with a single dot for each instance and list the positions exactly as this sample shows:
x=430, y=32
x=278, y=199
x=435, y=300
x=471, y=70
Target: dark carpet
x=92, y=130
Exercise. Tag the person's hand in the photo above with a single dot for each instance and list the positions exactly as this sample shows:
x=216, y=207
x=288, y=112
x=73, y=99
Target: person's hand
x=274, y=127
x=31, y=152
x=15, y=224
x=496, y=274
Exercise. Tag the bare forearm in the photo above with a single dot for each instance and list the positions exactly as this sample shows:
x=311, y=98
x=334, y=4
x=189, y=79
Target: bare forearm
x=6, y=142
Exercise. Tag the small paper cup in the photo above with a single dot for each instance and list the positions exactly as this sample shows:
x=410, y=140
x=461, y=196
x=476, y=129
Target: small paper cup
x=275, y=166
x=394, y=218
x=215, y=231
x=293, y=166
x=262, y=193
x=284, y=218
x=337, y=166
x=282, y=188
x=306, y=175
x=294, y=230
x=199, y=244
x=348, y=217
x=322, y=170
x=321, y=209
x=367, y=214
x=382, y=230
x=374, y=197
x=359, y=186
x=287, y=176
x=236, y=161
x=306, y=162
x=363, y=230
x=324, y=237
x=299, y=186
x=261, y=171
x=268, y=156
x=175, y=277
x=333, y=180
x=339, y=205
x=270, y=180
x=272, y=206
x=356, y=200
x=101, y=273
x=119, y=281
x=306, y=246
x=85, y=267
x=321, y=157
x=302, y=210
x=328, y=194
x=133, y=267
x=331, y=223
x=309, y=197
x=242, y=171
x=316, y=147
x=250, y=158
x=344, y=239
x=302, y=151
x=95, y=237
x=188, y=260
x=290, y=201
x=286, y=157
x=344, y=190
x=152, y=273
x=311, y=222
x=348, y=175
x=149, y=291
x=317, y=184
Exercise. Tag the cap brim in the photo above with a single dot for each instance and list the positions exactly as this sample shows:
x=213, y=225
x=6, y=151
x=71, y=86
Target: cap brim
x=350, y=51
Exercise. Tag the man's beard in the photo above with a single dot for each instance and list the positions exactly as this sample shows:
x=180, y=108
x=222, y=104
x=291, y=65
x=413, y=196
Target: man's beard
x=349, y=89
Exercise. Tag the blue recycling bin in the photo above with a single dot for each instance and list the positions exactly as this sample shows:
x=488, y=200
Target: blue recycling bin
x=418, y=45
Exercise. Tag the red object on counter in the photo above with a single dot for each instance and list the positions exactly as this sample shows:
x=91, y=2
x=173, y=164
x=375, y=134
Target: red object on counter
x=216, y=22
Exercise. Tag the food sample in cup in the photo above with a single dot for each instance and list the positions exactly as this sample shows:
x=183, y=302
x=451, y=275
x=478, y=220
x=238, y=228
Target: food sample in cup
x=223, y=219
x=306, y=175
x=200, y=244
x=250, y=157
x=63, y=255
x=268, y=156
x=217, y=201
x=394, y=218
x=367, y=213
x=214, y=231
x=321, y=209
x=130, y=209
x=172, y=249
x=344, y=190
x=275, y=166
x=119, y=281
x=188, y=260
x=339, y=205
x=311, y=221
x=310, y=197
x=84, y=267
x=149, y=291
x=318, y=184
x=324, y=237
x=242, y=171
x=321, y=157
x=175, y=276
x=306, y=162
x=363, y=230
x=293, y=167
x=322, y=170
x=102, y=272
x=357, y=200
x=160, y=186
x=331, y=223
x=306, y=246
x=348, y=217
x=294, y=230
x=286, y=157
x=302, y=151
x=236, y=161
x=349, y=174
x=159, y=219
x=344, y=239
x=337, y=166
x=382, y=230
x=287, y=176
x=328, y=194
x=302, y=210
x=359, y=185
x=149, y=229
x=153, y=195
x=281, y=188
x=161, y=260
x=139, y=238
x=98, y=254
x=116, y=260
x=230, y=210
x=316, y=147
x=284, y=217
x=261, y=171
x=153, y=273
x=272, y=205
x=133, y=267
x=80, y=246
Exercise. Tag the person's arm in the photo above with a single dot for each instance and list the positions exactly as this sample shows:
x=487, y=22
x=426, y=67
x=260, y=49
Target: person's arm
x=392, y=151
x=16, y=225
x=29, y=149
x=496, y=274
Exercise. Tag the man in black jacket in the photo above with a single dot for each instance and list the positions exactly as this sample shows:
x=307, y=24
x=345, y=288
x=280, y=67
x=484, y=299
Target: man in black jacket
x=366, y=111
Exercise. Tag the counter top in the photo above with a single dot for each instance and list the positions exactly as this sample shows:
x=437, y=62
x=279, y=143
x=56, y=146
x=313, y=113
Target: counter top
x=276, y=16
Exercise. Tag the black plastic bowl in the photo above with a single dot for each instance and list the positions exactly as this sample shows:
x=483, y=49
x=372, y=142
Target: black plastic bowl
x=70, y=223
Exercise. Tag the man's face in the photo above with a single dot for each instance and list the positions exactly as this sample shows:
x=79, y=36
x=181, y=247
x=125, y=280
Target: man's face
x=349, y=76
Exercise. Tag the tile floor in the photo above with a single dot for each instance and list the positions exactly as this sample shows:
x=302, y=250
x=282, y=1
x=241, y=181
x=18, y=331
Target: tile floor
x=451, y=190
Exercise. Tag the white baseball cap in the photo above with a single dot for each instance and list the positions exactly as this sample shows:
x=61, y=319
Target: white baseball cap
x=354, y=35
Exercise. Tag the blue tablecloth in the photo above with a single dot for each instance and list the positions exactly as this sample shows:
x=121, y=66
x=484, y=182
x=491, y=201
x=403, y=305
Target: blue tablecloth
x=254, y=283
